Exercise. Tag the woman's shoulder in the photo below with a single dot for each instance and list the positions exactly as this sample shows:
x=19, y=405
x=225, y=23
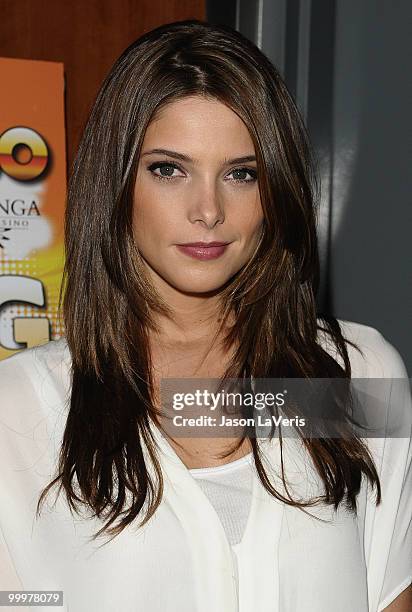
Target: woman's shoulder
x=36, y=361
x=377, y=357
x=34, y=380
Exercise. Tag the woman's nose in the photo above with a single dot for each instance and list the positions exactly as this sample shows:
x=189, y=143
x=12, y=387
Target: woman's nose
x=207, y=205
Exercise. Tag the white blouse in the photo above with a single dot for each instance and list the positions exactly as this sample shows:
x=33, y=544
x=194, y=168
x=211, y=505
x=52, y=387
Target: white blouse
x=181, y=560
x=229, y=490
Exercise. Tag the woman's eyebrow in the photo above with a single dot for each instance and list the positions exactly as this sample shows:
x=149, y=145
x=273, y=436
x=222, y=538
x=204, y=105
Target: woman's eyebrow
x=186, y=158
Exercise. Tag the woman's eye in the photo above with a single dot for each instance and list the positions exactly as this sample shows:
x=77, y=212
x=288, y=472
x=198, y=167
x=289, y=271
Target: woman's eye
x=166, y=170
x=240, y=174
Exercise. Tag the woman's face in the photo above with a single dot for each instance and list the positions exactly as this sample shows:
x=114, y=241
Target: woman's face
x=195, y=188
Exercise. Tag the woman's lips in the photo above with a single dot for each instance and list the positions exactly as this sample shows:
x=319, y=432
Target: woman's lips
x=203, y=251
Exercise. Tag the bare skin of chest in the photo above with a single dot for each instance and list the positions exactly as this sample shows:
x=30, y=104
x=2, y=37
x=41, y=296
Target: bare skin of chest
x=185, y=362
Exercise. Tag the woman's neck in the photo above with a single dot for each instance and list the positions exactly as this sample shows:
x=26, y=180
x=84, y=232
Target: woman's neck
x=194, y=358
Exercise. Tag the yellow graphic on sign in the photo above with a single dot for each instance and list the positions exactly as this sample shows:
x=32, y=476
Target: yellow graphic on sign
x=32, y=200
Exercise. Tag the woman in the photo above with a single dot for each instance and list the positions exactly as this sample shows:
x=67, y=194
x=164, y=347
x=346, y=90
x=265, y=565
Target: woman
x=194, y=139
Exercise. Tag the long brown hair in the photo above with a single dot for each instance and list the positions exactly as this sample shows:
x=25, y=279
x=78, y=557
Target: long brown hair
x=109, y=303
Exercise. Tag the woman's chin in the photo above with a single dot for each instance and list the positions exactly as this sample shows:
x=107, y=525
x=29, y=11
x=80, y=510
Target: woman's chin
x=200, y=286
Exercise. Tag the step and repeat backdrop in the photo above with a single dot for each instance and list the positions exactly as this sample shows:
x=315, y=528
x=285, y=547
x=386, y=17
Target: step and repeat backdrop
x=32, y=201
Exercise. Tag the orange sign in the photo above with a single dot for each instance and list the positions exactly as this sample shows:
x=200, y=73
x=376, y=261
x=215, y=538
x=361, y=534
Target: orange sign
x=32, y=201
